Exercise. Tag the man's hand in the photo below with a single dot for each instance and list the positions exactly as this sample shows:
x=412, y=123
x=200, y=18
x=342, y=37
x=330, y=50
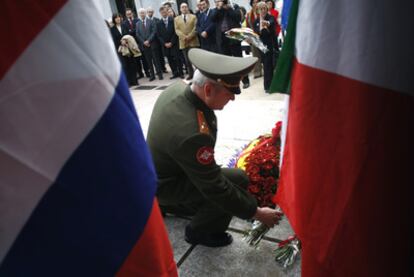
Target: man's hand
x=268, y=216
x=147, y=43
x=204, y=34
x=168, y=45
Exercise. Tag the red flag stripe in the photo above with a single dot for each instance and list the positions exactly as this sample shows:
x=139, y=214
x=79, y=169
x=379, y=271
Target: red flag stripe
x=28, y=17
x=345, y=181
x=152, y=255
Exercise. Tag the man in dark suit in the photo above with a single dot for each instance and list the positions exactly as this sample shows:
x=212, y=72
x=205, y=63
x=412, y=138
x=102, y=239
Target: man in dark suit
x=146, y=36
x=226, y=17
x=206, y=27
x=128, y=28
x=129, y=23
x=150, y=15
x=169, y=41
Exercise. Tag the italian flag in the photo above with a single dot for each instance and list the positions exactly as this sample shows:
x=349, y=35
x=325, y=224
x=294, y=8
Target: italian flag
x=347, y=173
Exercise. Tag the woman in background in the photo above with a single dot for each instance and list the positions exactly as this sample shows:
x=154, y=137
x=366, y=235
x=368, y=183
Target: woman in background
x=264, y=25
x=128, y=62
x=116, y=30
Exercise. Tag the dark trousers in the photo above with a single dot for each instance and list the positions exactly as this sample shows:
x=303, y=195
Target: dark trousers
x=276, y=52
x=181, y=60
x=268, y=66
x=152, y=59
x=172, y=55
x=188, y=64
x=186, y=199
x=230, y=47
x=142, y=66
x=161, y=55
x=207, y=45
x=130, y=67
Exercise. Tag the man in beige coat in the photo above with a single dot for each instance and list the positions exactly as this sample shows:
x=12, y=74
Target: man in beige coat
x=185, y=28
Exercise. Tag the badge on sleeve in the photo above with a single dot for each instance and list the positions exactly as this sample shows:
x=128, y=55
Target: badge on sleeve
x=205, y=155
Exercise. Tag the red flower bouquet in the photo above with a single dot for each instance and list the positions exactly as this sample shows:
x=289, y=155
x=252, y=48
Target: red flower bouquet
x=260, y=160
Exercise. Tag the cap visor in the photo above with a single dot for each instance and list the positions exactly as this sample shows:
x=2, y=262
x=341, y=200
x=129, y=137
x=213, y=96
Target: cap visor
x=235, y=90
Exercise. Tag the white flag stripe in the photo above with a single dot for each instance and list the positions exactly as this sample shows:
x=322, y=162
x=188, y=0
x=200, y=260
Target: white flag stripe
x=50, y=100
x=359, y=39
x=20, y=190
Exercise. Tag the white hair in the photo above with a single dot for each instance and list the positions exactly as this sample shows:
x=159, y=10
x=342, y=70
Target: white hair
x=199, y=79
x=142, y=10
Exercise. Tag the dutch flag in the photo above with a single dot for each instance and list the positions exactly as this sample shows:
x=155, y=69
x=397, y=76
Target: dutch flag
x=77, y=183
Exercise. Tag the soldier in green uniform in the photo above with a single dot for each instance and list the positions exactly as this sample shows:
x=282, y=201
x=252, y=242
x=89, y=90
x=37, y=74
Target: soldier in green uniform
x=182, y=135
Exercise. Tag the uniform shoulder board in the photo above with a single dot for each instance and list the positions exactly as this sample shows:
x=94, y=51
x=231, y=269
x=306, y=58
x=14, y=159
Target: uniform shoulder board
x=202, y=123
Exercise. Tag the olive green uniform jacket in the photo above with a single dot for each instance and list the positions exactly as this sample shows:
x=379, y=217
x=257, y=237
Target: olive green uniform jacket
x=181, y=137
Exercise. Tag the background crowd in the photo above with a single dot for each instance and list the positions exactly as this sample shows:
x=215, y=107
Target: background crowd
x=143, y=42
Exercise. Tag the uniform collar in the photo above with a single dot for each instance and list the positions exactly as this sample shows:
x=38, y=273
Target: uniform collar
x=195, y=100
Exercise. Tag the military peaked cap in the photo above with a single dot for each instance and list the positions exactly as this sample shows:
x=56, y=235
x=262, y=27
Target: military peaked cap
x=225, y=70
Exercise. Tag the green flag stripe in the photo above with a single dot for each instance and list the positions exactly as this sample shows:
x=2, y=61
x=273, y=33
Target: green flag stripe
x=281, y=75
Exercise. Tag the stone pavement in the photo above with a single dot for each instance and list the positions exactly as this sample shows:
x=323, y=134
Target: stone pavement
x=252, y=113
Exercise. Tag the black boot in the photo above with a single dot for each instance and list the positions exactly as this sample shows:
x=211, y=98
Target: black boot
x=207, y=239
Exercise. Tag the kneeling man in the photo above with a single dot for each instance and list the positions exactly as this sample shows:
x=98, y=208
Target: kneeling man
x=182, y=135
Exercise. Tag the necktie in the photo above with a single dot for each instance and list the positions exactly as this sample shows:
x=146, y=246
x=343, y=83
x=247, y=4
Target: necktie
x=185, y=19
x=130, y=24
x=143, y=22
x=166, y=23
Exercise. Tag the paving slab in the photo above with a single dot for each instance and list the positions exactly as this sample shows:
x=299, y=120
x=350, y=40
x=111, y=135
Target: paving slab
x=175, y=227
x=237, y=259
x=242, y=121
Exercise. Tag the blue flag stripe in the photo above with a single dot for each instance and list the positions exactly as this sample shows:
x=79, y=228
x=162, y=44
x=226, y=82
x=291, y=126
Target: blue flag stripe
x=98, y=206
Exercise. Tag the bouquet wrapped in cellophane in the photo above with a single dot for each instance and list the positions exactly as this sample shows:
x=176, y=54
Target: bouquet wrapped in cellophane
x=287, y=251
x=247, y=35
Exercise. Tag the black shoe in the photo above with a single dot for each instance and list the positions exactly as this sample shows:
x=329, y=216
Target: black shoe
x=182, y=76
x=267, y=91
x=173, y=77
x=164, y=71
x=160, y=77
x=189, y=78
x=246, y=85
x=152, y=78
x=207, y=239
